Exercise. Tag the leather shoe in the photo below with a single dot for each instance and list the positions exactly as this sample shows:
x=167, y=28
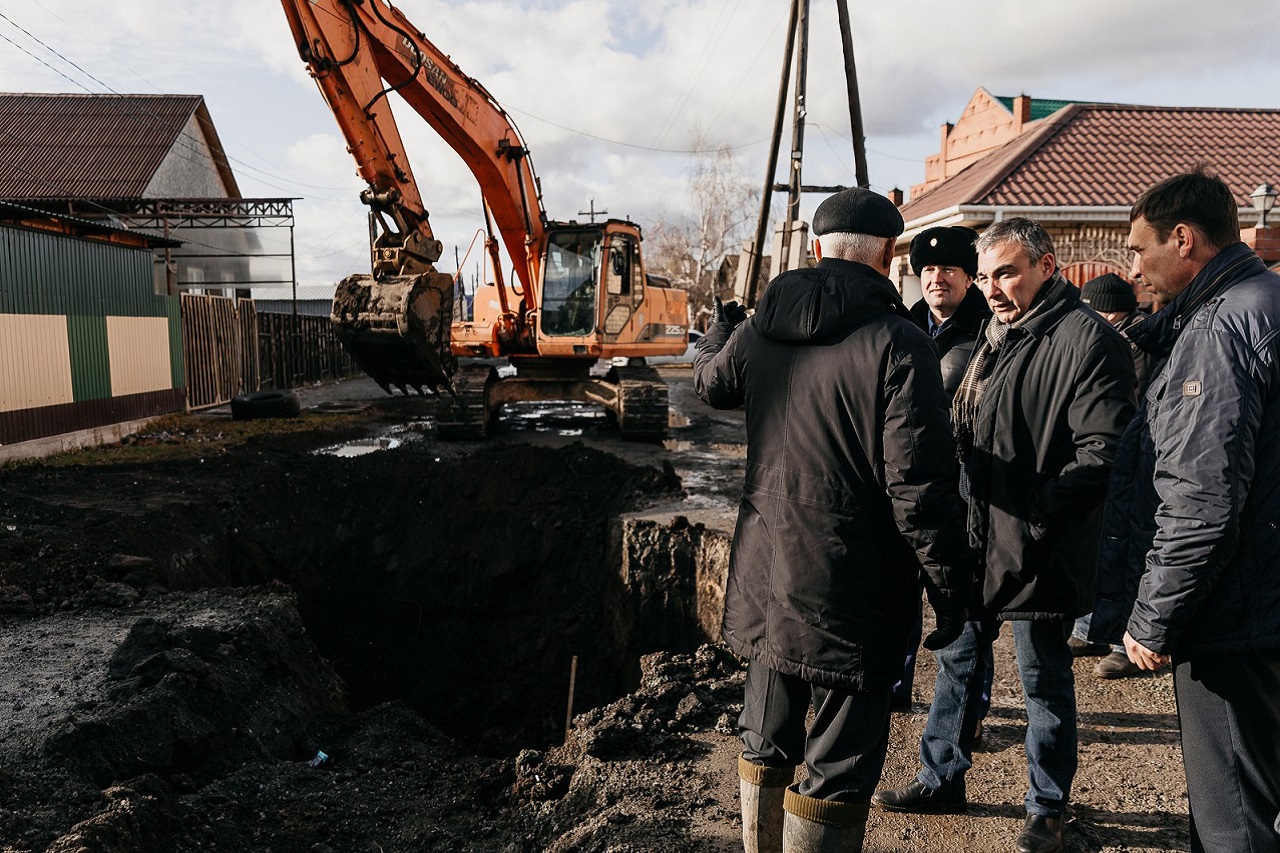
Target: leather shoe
x=918, y=798
x=1116, y=665
x=1040, y=834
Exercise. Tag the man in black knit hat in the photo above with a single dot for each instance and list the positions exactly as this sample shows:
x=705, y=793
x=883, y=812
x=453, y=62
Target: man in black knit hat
x=1113, y=298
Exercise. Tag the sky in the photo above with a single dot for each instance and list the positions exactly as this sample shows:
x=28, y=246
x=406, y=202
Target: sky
x=611, y=94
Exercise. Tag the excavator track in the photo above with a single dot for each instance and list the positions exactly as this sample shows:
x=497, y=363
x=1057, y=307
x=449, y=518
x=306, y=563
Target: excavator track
x=642, y=402
x=465, y=414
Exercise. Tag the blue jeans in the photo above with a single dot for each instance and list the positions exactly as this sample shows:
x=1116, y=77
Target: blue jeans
x=902, y=690
x=1048, y=684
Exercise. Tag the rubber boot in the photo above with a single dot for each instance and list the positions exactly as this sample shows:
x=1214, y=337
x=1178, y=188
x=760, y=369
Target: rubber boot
x=822, y=826
x=761, y=791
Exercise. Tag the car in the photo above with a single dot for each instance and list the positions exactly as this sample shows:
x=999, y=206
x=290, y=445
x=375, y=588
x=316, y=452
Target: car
x=685, y=357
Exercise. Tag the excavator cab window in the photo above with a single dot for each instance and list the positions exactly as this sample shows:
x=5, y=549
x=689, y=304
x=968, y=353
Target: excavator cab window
x=618, y=278
x=569, y=289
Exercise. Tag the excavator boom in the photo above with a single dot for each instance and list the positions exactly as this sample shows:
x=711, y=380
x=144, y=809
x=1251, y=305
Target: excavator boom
x=361, y=51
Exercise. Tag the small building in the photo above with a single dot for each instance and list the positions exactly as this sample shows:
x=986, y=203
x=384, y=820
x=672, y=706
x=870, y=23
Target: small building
x=87, y=347
x=1077, y=168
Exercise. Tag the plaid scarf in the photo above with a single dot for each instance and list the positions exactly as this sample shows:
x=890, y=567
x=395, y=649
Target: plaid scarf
x=964, y=408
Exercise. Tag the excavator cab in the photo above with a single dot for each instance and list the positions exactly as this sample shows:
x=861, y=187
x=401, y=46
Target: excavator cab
x=570, y=284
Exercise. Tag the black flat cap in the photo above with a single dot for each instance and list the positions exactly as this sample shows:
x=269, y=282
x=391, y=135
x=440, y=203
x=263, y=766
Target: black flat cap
x=857, y=211
x=945, y=247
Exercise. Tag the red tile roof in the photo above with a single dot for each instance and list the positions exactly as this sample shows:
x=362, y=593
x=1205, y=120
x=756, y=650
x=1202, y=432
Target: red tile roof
x=94, y=146
x=1098, y=155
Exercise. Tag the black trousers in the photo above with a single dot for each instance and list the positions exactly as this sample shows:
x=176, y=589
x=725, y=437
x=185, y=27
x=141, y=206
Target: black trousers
x=1229, y=711
x=844, y=749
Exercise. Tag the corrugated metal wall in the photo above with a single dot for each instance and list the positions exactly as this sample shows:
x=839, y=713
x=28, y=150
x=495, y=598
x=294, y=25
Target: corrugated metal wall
x=84, y=340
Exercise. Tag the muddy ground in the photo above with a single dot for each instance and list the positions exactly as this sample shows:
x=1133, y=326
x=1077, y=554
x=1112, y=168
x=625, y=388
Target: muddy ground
x=216, y=638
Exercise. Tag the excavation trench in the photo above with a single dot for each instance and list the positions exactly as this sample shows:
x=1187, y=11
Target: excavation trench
x=465, y=587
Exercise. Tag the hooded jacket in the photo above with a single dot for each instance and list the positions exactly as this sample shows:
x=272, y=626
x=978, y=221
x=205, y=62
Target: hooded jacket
x=1045, y=435
x=1190, y=560
x=850, y=476
x=955, y=341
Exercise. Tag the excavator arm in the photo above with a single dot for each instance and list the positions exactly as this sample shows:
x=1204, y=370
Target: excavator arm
x=360, y=52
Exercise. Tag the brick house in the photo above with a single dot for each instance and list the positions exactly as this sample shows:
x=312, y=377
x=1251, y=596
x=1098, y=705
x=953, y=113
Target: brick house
x=1078, y=167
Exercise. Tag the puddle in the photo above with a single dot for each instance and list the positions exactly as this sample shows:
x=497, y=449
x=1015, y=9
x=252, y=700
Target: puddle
x=559, y=418
x=363, y=447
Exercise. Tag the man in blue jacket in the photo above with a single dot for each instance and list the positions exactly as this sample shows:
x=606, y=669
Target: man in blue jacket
x=1189, y=568
x=850, y=491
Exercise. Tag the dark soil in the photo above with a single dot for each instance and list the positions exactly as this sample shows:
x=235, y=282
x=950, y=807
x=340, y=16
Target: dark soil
x=216, y=639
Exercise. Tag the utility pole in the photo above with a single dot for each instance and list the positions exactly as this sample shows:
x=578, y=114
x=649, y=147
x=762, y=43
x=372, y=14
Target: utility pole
x=592, y=212
x=798, y=30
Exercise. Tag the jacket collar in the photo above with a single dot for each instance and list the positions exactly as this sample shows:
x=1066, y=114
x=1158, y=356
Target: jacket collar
x=1228, y=268
x=801, y=306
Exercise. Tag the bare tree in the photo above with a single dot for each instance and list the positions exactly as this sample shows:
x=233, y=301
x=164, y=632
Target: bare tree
x=689, y=248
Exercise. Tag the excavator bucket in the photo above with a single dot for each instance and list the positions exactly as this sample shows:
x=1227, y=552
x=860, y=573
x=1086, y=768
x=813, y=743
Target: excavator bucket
x=397, y=329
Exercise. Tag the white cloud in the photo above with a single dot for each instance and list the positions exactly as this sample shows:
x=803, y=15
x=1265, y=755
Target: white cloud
x=574, y=73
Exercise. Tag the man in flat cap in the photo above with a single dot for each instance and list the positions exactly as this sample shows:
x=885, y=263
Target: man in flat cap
x=1037, y=418
x=850, y=490
x=952, y=311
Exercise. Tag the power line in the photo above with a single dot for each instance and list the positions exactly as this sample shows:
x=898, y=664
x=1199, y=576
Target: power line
x=622, y=144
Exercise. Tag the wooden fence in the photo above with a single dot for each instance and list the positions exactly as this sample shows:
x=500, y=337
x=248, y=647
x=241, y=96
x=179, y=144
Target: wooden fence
x=230, y=348
x=218, y=352
x=300, y=350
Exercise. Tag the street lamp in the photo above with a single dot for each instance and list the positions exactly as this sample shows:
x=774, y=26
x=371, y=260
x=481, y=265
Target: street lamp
x=1264, y=198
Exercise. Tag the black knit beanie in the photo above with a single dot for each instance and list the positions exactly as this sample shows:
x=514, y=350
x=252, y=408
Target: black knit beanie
x=1108, y=293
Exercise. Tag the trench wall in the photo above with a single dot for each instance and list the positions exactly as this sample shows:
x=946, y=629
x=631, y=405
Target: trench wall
x=671, y=576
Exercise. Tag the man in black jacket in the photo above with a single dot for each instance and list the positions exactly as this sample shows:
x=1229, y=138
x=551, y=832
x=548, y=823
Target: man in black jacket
x=1189, y=570
x=850, y=490
x=952, y=311
x=1037, y=418
x=1113, y=298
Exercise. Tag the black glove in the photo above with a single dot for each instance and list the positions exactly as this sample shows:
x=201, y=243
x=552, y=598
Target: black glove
x=732, y=313
x=950, y=624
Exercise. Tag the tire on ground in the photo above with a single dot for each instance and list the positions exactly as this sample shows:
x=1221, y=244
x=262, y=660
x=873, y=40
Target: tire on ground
x=281, y=403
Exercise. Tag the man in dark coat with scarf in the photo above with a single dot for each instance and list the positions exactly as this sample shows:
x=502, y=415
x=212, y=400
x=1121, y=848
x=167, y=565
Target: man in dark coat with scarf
x=1037, y=417
x=850, y=491
x=1189, y=570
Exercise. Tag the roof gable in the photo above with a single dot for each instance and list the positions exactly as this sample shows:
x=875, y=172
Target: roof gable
x=96, y=146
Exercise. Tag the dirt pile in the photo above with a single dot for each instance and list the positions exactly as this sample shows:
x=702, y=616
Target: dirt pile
x=443, y=598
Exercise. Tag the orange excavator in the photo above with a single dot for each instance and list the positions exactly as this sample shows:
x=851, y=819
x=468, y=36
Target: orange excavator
x=581, y=293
